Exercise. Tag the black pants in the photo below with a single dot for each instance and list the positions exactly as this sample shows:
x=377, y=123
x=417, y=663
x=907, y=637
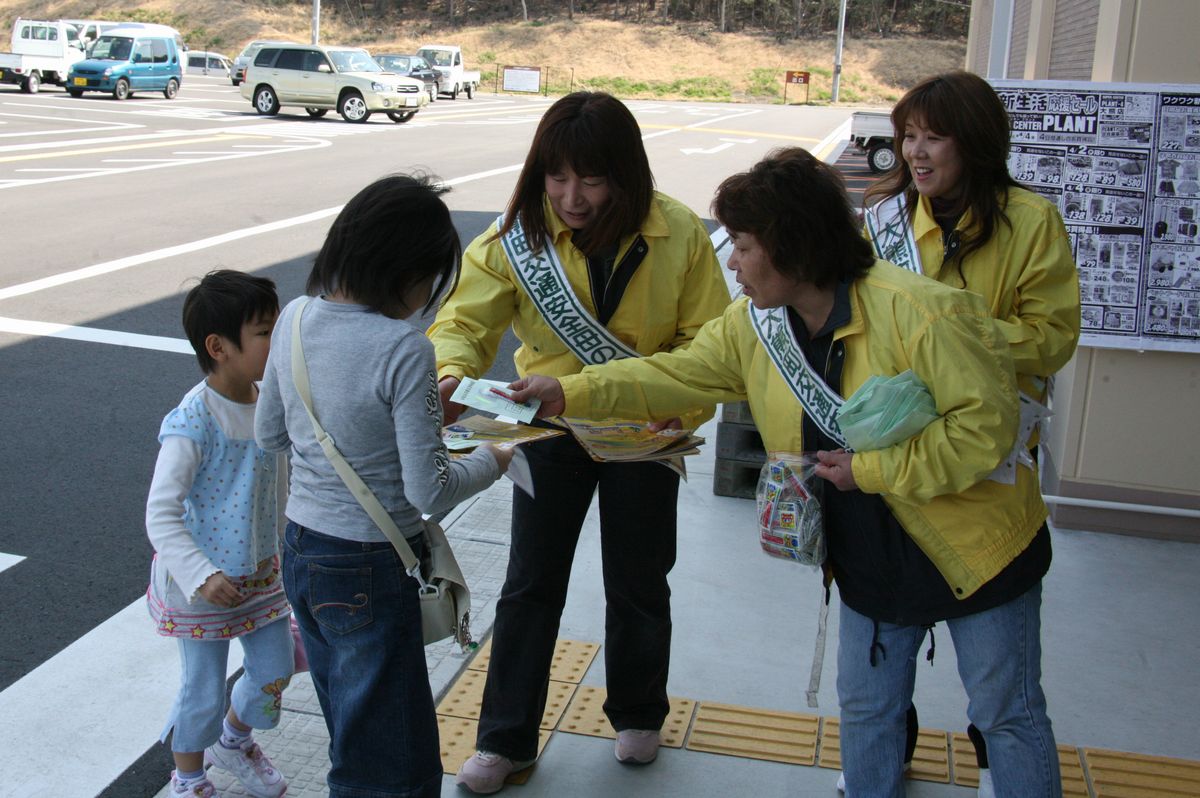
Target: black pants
x=637, y=538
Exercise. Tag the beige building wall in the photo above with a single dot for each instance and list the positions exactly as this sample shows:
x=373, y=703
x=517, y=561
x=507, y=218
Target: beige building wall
x=1126, y=427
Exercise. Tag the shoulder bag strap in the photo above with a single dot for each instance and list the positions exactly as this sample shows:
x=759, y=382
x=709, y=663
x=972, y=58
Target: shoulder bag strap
x=358, y=489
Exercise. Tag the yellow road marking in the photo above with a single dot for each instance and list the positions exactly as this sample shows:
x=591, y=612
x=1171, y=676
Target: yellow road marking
x=33, y=156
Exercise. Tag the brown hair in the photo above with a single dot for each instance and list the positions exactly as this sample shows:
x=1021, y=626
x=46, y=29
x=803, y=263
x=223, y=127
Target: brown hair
x=797, y=208
x=963, y=107
x=595, y=135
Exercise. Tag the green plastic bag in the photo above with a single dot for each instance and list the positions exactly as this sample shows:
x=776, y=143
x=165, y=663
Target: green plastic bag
x=885, y=411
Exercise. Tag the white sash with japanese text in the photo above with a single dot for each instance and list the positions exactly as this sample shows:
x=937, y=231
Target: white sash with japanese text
x=544, y=279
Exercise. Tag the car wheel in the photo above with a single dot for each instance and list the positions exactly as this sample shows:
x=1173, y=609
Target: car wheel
x=881, y=158
x=316, y=113
x=235, y=82
x=432, y=94
x=121, y=90
x=470, y=91
x=172, y=89
x=353, y=108
x=454, y=92
x=75, y=92
x=400, y=117
x=265, y=101
x=32, y=83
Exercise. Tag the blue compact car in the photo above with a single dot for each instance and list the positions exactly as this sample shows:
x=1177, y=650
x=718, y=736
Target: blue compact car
x=129, y=59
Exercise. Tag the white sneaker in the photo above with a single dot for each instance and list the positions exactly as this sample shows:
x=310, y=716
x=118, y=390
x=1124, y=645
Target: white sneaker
x=202, y=788
x=256, y=773
x=637, y=746
x=485, y=772
x=986, y=790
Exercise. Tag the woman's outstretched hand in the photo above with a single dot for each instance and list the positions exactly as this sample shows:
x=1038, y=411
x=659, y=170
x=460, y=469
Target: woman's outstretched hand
x=535, y=386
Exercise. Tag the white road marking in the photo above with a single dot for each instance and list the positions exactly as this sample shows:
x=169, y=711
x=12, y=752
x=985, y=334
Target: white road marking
x=9, y=560
x=104, y=698
x=95, y=335
x=161, y=254
x=701, y=151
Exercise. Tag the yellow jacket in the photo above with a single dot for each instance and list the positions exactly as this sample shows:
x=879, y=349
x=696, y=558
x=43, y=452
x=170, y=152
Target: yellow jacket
x=1026, y=275
x=933, y=483
x=677, y=288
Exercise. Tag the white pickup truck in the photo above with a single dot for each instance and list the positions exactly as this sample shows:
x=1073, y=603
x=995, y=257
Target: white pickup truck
x=43, y=52
x=871, y=132
x=447, y=61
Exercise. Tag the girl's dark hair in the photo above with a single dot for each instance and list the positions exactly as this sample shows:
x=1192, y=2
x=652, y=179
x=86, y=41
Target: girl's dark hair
x=389, y=237
x=595, y=135
x=797, y=208
x=963, y=107
x=221, y=303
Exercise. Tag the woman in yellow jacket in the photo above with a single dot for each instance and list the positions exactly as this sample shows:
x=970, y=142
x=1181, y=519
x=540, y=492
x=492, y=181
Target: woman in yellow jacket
x=950, y=210
x=589, y=263
x=916, y=532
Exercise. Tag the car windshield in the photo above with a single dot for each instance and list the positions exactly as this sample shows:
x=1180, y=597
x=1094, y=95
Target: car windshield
x=353, y=61
x=436, y=57
x=112, y=48
x=393, y=63
x=250, y=50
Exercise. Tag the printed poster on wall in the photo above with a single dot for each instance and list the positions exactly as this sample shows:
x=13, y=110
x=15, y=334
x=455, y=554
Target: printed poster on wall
x=1121, y=162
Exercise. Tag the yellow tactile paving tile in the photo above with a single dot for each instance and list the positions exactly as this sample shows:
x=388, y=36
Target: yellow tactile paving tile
x=571, y=659
x=464, y=698
x=754, y=733
x=585, y=715
x=1120, y=775
x=931, y=757
x=457, y=737
x=1074, y=783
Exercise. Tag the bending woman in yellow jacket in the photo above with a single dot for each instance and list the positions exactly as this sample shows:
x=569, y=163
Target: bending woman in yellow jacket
x=916, y=532
x=588, y=264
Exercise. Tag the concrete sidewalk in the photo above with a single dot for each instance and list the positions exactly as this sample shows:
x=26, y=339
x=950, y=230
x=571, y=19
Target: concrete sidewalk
x=1121, y=633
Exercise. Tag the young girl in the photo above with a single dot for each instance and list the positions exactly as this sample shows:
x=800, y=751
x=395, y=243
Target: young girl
x=962, y=220
x=587, y=263
x=390, y=253
x=212, y=519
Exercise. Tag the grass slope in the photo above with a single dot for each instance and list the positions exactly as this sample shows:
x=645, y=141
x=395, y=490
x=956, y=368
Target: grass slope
x=633, y=60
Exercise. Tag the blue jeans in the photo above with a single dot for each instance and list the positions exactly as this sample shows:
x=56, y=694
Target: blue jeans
x=200, y=705
x=1000, y=663
x=358, y=616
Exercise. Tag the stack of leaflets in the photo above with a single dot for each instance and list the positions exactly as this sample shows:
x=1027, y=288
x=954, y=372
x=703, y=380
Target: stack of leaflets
x=467, y=433
x=621, y=440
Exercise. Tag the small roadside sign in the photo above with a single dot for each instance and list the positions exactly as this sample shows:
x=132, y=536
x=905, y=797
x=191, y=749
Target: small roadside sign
x=799, y=78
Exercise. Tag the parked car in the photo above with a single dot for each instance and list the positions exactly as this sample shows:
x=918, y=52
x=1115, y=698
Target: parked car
x=206, y=62
x=130, y=59
x=415, y=67
x=320, y=78
x=246, y=56
x=871, y=132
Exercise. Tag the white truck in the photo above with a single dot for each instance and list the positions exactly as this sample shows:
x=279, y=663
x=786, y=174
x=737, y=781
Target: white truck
x=871, y=132
x=42, y=52
x=447, y=61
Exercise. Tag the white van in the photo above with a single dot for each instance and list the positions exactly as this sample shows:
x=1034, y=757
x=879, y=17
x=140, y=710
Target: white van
x=206, y=62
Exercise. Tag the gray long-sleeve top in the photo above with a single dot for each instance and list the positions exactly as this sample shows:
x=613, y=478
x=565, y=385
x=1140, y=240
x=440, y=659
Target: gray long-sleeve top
x=374, y=390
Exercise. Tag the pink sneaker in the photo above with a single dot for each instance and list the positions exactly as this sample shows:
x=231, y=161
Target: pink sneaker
x=485, y=772
x=256, y=773
x=192, y=789
x=637, y=746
